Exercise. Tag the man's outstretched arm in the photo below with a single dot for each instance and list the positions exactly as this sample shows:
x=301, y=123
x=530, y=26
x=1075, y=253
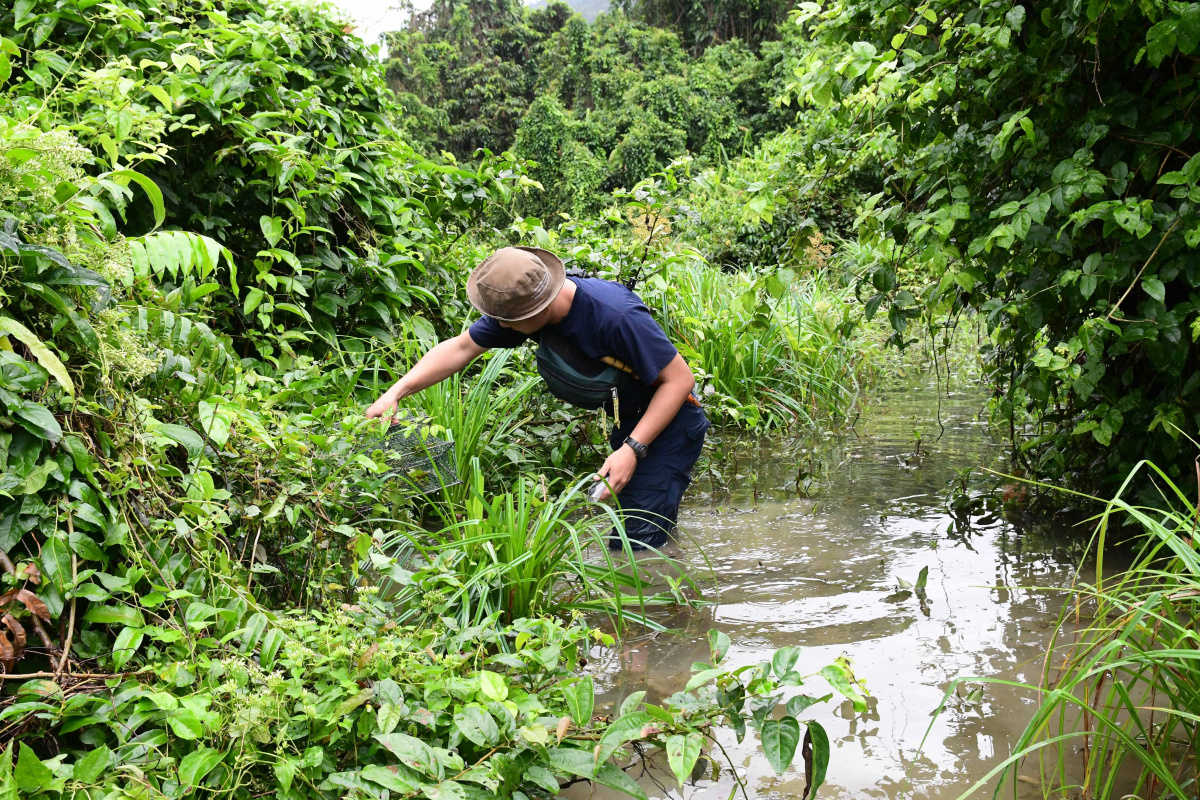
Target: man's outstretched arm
x=444, y=360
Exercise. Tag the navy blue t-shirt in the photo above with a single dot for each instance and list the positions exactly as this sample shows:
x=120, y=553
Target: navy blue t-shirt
x=606, y=319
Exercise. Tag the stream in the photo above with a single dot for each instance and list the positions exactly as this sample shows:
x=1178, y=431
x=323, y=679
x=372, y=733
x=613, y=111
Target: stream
x=821, y=569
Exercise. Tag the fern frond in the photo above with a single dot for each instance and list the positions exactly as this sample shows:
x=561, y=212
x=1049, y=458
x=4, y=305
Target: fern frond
x=180, y=254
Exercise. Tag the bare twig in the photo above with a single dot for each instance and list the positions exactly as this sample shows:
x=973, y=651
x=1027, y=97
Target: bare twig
x=62, y=663
x=1138, y=277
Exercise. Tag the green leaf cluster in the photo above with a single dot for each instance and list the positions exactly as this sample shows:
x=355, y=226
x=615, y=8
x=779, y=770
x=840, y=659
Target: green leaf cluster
x=1040, y=170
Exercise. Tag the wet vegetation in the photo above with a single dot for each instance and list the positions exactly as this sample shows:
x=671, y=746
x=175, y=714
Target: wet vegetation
x=226, y=226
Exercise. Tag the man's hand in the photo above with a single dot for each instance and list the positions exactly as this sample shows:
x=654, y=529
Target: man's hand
x=618, y=468
x=441, y=362
x=384, y=407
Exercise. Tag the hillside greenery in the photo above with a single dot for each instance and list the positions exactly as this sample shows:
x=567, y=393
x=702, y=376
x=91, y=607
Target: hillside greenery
x=595, y=107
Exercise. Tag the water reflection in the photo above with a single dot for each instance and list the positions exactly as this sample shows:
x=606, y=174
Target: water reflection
x=810, y=542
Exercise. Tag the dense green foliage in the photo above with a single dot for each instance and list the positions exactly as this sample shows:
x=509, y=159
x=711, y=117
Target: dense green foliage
x=1041, y=168
x=215, y=248
x=701, y=25
x=266, y=130
x=595, y=107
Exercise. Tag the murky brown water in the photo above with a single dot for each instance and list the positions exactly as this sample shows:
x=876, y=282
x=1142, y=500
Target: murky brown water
x=817, y=570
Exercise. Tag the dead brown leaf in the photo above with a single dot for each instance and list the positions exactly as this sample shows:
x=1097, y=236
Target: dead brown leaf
x=34, y=604
x=18, y=633
x=366, y=657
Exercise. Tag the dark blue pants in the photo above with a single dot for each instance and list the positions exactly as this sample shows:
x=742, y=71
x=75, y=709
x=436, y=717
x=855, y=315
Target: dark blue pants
x=650, y=501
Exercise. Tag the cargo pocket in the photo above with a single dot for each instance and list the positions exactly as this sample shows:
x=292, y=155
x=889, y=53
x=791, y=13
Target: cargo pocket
x=698, y=428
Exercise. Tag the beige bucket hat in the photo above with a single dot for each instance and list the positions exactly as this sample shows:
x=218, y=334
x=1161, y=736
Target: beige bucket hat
x=515, y=283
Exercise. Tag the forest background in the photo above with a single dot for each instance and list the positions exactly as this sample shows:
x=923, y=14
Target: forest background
x=226, y=226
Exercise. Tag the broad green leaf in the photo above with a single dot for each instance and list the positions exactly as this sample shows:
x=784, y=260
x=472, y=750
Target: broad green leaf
x=573, y=761
x=631, y=703
x=797, y=705
x=253, y=298
x=148, y=186
x=47, y=359
x=126, y=645
x=493, y=686
x=23, y=13
x=628, y=728
x=682, y=753
x=390, y=778
x=581, y=698
x=780, y=738
x=272, y=228
x=540, y=776
x=270, y=647
x=191, y=441
x=819, y=740
x=702, y=677
x=840, y=679
x=285, y=773
x=412, y=752
x=215, y=420
x=115, y=615
x=477, y=725
x=185, y=724
x=56, y=561
x=784, y=659
x=92, y=765
x=197, y=764
x=388, y=717
x=38, y=420
x=31, y=774
x=352, y=703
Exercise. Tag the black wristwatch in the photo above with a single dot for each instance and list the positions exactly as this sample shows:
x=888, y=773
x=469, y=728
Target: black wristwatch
x=640, y=450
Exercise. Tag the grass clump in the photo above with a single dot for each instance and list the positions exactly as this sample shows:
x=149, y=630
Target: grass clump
x=1119, y=712
x=525, y=553
x=770, y=348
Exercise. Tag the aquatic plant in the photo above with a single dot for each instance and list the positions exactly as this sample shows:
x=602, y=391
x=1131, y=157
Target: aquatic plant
x=769, y=348
x=478, y=414
x=1119, y=700
x=529, y=552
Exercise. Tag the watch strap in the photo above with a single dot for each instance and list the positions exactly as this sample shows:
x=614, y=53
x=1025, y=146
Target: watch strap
x=640, y=450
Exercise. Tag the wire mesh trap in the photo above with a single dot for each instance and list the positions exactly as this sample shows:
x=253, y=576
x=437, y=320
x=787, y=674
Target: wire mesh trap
x=406, y=455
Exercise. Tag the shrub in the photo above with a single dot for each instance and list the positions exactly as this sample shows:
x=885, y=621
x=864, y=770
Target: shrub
x=1050, y=189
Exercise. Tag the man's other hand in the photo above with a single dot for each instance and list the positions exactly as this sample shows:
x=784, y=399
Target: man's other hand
x=618, y=468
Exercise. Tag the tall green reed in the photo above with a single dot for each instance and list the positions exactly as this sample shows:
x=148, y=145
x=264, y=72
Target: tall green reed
x=769, y=348
x=529, y=552
x=479, y=413
x=1119, y=712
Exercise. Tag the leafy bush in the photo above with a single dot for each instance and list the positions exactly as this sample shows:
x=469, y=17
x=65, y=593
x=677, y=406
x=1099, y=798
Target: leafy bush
x=269, y=127
x=1040, y=167
x=525, y=553
x=768, y=347
x=348, y=703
